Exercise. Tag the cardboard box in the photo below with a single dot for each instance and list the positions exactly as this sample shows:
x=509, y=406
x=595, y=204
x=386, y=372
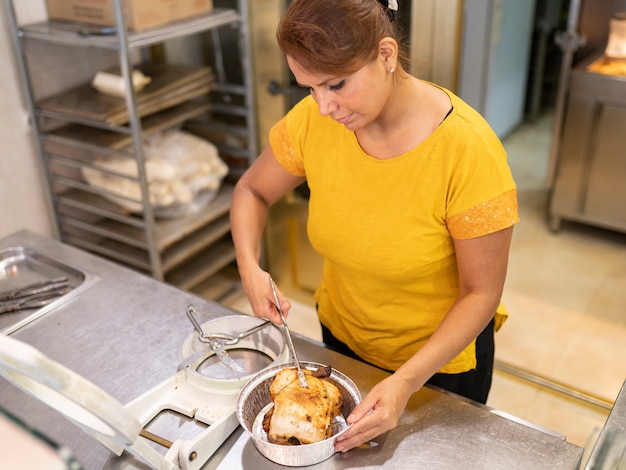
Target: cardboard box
x=139, y=14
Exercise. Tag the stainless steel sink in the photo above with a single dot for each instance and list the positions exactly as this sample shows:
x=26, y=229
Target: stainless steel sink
x=21, y=266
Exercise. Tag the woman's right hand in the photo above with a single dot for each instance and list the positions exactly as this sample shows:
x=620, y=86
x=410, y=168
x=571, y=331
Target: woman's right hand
x=259, y=292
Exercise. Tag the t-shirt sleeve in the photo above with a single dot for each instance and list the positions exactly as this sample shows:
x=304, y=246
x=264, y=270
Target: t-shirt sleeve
x=482, y=196
x=483, y=219
x=287, y=136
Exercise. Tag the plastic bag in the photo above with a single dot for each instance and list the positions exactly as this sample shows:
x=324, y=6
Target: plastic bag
x=184, y=173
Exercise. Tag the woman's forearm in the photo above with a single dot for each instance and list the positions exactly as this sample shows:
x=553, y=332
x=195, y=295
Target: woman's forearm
x=248, y=216
x=463, y=323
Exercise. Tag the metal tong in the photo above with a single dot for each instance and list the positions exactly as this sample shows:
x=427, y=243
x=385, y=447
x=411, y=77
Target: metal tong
x=230, y=340
x=301, y=377
x=34, y=295
x=217, y=346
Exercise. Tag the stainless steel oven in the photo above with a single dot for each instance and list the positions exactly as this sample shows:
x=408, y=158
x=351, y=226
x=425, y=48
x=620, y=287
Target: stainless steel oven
x=588, y=161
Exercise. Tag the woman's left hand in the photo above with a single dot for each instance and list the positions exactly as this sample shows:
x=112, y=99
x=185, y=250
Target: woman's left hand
x=377, y=413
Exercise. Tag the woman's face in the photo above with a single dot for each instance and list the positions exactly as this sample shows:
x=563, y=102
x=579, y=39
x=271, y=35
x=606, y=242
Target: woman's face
x=353, y=100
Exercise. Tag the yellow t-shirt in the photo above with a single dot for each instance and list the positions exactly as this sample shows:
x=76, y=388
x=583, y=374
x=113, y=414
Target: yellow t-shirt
x=385, y=227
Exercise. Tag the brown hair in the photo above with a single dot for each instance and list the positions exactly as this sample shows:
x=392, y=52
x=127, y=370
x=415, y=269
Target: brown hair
x=335, y=36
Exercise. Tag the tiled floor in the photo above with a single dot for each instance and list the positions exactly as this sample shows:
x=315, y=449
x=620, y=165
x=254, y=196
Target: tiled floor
x=561, y=353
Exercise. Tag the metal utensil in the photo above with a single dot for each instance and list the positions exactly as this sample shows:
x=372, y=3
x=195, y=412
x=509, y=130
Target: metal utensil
x=217, y=346
x=29, y=303
x=34, y=295
x=226, y=340
x=229, y=340
x=301, y=377
x=34, y=289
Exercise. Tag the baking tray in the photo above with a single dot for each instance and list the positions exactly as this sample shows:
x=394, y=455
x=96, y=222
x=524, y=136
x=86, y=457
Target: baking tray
x=20, y=267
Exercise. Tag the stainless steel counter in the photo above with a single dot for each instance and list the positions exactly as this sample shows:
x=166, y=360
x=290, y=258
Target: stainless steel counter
x=124, y=335
x=609, y=451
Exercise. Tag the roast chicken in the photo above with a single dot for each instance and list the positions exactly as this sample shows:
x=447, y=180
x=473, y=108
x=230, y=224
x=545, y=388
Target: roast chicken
x=302, y=415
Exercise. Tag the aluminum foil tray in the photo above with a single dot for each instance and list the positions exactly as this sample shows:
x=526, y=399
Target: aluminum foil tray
x=253, y=401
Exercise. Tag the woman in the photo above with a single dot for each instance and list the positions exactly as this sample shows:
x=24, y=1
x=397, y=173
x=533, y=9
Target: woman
x=412, y=206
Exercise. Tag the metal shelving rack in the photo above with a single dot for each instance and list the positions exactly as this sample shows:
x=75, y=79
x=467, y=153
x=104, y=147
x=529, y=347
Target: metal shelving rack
x=183, y=251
